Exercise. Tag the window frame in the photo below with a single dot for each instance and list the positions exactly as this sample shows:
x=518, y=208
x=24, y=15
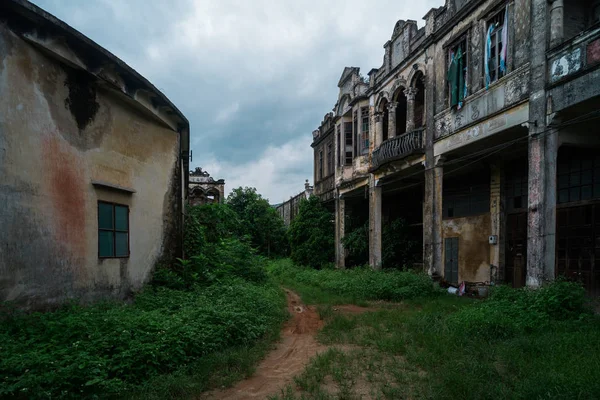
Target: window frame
x=499, y=15
x=114, y=230
x=348, y=144
x=364, y=131
x=321, y=163
x=329, y=158
x=453, y=45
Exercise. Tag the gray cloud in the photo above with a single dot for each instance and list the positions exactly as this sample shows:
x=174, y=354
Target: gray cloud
x=253, y=77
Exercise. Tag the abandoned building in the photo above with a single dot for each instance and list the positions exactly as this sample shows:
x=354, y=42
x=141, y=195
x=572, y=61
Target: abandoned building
x=203, y=189
x=93, y=165
x=289, y=209
x=479, y=130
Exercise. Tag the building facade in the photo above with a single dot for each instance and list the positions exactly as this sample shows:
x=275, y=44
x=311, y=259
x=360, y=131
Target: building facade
x=289, y=209
x=203, y=189
x=479, y=131
x=93, y=166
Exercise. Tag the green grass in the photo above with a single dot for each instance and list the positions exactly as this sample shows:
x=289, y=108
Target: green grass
x=356, y=286
x=166, y=342
x=517, y=345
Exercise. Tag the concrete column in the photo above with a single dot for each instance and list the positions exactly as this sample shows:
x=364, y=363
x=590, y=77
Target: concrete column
x=541, y=214
x=410, y=94
x=497, y=219
x=432, y=219
x=378, y=129
x=375, y=200
x=392, y=106
x=340, y=218
x=541, y=230
x=557, y=31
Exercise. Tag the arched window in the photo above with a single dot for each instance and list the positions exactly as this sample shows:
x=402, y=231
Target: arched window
x=401, y=110
x=419, y=109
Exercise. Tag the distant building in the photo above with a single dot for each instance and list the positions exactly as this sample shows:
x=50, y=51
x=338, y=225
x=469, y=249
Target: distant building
x=289, y=209
x=479, y=129
x=93, y=165
x=203, y=189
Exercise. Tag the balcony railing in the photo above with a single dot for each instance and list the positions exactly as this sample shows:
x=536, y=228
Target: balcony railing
x=399, y=147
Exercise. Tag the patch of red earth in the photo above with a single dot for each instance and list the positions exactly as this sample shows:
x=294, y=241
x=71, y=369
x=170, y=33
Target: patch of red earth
x=277, y=370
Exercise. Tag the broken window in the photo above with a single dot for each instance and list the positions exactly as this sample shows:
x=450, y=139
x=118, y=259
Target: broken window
x=496, y=47
x=517, y=189
x=113, y=230
x=457, y=73
x=348, y=143
x=364, y=132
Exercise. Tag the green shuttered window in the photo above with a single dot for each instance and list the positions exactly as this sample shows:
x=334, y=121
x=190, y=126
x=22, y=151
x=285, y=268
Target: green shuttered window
x=113, y=230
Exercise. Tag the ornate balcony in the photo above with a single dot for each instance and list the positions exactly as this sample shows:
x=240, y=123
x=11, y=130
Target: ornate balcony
x=399, y=147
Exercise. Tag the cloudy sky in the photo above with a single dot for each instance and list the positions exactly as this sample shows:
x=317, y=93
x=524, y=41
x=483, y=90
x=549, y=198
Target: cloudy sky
x=254, y=77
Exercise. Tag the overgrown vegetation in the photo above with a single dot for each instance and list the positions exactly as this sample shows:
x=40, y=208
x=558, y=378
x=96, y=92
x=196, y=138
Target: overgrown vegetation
x=526, y=344
x=259, y=221
x=397, y=249
x=351, y=286
x=312, y=235
x=203, y=321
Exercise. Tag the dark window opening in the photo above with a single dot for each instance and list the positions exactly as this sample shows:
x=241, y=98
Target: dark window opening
x=320, y=164
x=578, y=175
x=401, y=111
x=113, y=230
x=517, y=189
x=348, y=143
x=457, y=73
x=339, y=146
x=462, y=198
x=329, y=159
x=386, y=119
x=355, y=129
x=495, y=52
x=419, y=102
x=364, y=131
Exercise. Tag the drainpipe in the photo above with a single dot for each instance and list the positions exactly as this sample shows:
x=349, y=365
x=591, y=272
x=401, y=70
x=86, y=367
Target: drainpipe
x=557, y=28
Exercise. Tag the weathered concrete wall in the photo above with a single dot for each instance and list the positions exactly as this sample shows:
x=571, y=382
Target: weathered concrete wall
x=473, y=246
x=58, y=133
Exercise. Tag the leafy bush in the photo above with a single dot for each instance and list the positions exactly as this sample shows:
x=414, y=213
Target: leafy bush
x=397, y=247
x=509, y=311
x=356, y=242
x=311, y=235
x=358, y=283
x=113, y=348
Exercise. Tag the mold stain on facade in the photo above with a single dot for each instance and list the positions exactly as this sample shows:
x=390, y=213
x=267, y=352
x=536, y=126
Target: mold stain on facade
x=70, y=139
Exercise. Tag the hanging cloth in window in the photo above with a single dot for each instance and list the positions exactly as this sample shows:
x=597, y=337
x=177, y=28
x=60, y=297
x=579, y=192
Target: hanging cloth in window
x=504, y=52
x=462, y=84
x=453, y=79
x=488, y=54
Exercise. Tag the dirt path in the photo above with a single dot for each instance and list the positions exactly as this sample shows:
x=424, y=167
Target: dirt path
x=297, y=346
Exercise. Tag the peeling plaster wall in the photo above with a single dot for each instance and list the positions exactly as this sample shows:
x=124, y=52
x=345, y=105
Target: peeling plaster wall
x=58, y=133
x=473, y=246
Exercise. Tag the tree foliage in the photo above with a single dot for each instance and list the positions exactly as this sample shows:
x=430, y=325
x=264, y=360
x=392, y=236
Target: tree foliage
x=311, y=234
x=259, y=221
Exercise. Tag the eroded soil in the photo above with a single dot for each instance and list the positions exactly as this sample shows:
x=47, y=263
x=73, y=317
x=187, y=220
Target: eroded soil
x=297, y=346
